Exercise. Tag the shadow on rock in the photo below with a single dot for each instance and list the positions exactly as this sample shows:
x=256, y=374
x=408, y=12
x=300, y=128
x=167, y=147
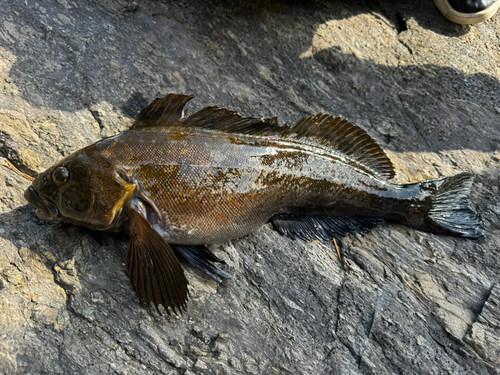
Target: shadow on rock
x=76, y=256
x=248, y=57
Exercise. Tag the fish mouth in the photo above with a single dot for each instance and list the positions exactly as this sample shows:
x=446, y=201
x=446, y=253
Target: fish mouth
x=44, y=210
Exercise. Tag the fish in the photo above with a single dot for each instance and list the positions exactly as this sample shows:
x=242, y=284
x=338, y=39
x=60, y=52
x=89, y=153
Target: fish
x=175, y=184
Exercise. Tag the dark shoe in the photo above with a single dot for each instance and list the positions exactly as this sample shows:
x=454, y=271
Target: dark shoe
x=468, y=12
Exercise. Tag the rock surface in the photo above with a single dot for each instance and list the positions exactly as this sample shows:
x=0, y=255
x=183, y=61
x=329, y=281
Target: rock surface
x=402, y=301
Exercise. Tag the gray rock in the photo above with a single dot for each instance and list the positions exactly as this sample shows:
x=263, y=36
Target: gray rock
x=401, y=301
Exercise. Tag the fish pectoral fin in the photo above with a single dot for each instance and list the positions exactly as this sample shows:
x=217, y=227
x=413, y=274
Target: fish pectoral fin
x=321, y=228
x=200, y=257
x=162, y=111
x=153, y=268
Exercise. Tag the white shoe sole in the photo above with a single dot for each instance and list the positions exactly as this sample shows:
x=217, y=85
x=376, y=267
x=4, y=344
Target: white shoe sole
x=466, y=18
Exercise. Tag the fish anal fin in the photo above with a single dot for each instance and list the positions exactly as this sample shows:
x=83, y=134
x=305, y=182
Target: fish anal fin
x=321, y=228
x=202, y=258
x=162, y=111
x=153, y=268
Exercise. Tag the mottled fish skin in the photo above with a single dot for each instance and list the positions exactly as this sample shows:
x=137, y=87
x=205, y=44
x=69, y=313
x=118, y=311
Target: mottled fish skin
x=215, y=176
x=212, y=186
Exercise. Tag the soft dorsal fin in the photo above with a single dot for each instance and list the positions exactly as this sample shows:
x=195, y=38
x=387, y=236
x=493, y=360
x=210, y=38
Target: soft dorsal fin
x=346, y=138
x=163, y=111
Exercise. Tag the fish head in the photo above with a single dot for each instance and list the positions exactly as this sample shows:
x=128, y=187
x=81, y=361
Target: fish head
x=84, y=189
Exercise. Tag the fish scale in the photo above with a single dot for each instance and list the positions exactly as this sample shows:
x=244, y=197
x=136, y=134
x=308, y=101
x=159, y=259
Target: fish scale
x=208, y=190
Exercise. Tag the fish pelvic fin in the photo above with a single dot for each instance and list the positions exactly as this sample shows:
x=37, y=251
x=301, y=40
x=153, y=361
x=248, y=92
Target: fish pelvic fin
x=450, y=212
x=202, y=258
x=162, y=111
x=153, y=268
x=310, y=228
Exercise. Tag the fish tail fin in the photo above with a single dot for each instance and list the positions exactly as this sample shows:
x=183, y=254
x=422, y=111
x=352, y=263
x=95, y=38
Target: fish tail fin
x=450, y=212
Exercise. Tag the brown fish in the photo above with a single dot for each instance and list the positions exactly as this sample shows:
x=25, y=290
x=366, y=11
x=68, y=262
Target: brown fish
x=175, y=184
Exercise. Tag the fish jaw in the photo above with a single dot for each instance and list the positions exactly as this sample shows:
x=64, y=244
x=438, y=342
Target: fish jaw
x=44, y=210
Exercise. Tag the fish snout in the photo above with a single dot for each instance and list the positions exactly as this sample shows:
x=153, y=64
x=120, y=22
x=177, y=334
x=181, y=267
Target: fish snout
x=44, y=210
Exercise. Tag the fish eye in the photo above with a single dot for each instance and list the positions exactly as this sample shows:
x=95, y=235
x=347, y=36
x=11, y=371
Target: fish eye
x=60, y=175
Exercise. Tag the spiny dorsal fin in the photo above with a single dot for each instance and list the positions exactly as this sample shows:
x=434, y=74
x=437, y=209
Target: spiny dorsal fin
x=163, y=111
x=223, y=119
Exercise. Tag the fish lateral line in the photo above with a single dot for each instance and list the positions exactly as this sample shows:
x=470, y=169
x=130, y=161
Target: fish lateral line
x=320, y=129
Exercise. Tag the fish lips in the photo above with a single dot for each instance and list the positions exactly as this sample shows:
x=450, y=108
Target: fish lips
x=44, y=210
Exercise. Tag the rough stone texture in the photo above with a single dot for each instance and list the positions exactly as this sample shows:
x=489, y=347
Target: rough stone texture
x=402, y=302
